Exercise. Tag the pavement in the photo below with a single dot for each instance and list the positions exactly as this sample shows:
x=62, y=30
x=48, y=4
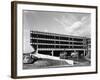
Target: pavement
x=47, y=61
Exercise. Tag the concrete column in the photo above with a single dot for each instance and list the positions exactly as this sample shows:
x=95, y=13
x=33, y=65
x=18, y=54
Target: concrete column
x=52, y=52
x=84, y=52
x=37, y=49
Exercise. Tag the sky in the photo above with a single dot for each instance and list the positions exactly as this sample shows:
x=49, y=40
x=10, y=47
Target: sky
x=78, y=24
x=68, y=23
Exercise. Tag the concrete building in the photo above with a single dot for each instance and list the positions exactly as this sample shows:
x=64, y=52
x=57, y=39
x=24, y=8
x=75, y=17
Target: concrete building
x=54, y=44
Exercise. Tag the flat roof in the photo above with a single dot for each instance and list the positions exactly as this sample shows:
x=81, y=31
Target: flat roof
x=62, y=35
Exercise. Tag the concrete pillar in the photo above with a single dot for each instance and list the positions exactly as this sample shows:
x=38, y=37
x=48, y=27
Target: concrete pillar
x=84, y=52
x=37, y=49
x=52, y=52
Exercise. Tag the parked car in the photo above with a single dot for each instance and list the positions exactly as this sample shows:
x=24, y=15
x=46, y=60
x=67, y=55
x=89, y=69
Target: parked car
x=74, y=54
x=29, y=59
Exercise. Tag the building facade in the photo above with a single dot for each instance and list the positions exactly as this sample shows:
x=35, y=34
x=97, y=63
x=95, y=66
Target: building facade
x=53, y=44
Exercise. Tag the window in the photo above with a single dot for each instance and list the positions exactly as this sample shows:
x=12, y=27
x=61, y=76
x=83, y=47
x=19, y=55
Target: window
x=33, y=35
x=77, y=39
x=78, y=47
x=64, y=42
x=45, y=46
x=56, y=37
x=33, y=41
x=45, y=41
x=77, y=43
x=63, y=38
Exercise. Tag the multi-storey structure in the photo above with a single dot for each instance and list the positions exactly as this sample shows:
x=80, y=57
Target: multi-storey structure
x=53, y=44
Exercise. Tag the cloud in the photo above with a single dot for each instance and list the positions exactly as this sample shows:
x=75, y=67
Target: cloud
x=82, y=28
x=75, y=27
